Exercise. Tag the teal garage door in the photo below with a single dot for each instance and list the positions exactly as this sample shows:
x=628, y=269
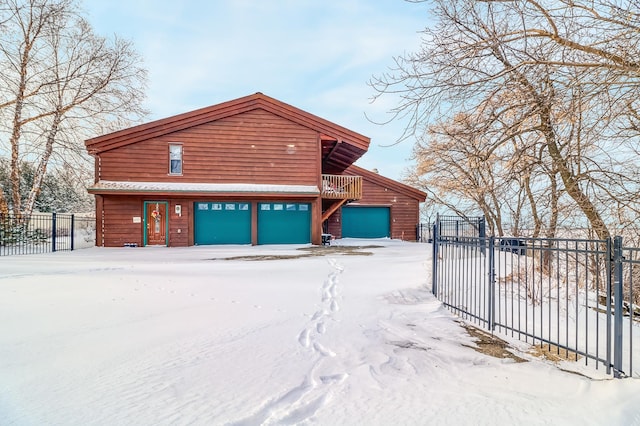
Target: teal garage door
x=222, y=223
x=366, y=222
x=284, y=223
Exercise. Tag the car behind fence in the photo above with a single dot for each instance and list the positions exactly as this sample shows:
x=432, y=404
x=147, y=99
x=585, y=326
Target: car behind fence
x=45, y=232
x=575, y=298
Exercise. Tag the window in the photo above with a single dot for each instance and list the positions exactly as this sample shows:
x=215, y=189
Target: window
x=175, y=159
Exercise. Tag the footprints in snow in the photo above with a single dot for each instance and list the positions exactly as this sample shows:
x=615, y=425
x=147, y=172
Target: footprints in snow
x=303, y=338
x=320, y=328
x=322, y=350
x=330, y=305
x=302, y=402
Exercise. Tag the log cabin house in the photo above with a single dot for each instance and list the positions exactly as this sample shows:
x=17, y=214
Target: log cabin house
x=248, y=171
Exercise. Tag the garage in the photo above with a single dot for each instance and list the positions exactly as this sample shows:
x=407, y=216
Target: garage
x=284, y=223
x=366, y=222
x=222, y=223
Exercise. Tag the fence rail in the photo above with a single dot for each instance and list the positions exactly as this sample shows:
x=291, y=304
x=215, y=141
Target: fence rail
x=575, y=298
x=43, y=233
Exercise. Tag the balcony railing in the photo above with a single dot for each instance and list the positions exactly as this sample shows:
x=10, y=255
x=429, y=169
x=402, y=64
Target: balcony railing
x=342, y=187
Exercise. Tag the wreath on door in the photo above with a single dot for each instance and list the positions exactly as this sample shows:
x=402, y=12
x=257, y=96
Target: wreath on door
x=155, y=214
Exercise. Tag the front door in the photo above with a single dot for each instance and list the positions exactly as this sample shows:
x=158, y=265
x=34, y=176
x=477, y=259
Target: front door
x=156, y=222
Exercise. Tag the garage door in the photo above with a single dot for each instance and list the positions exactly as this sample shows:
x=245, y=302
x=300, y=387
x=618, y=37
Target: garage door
x=366, y=222
x=284, y=223
x=222, y=223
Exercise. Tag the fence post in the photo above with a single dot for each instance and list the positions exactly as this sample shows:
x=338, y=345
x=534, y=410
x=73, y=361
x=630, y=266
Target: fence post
x=609, y=268
x=617, y=308
x=73, y=224
x=434, y=263
x=492, y=284
x=53, y=232
x=482, y=234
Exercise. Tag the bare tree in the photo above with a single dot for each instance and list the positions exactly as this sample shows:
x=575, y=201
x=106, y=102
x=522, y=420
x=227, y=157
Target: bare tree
x=470, y=159
x=453, y=166
x=61, y=83
x=550, y=80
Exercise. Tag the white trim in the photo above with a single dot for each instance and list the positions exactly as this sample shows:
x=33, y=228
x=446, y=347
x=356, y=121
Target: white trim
x=126, y=186
x=170, y=144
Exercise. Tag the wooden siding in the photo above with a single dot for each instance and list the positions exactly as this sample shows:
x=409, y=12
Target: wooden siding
x=119, y=228
x=252, y=147
x=180, y=225
x=404, y=210
x=99, y=220
x=358, y=143
x=251, y=140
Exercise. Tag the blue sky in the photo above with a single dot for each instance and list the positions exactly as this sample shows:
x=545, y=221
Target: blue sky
x=314, y=55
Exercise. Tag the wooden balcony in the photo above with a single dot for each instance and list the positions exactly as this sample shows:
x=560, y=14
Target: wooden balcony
x=339, y=187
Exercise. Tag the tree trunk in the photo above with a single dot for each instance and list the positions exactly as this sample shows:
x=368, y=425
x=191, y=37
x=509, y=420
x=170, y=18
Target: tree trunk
x=4, y=207
x=41, y=171
x=15, y=155
x=534, y=208
x=553, y=221
x=569, y=180
x=14, y=140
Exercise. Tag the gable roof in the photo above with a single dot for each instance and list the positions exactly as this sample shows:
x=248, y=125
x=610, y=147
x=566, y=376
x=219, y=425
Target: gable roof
x=402, y=188
x=340, y=145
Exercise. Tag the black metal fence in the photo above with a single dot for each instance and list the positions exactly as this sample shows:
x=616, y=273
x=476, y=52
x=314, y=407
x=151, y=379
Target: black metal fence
x=451, y=226
x=424, y=232
x=574, y=298
x=45, y=232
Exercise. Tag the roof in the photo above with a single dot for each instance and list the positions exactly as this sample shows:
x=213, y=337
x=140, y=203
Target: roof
x=121, y=187
x=402, y=188
x=340, y=146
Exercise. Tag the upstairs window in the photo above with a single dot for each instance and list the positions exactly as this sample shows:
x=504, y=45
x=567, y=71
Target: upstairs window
x=175, y=159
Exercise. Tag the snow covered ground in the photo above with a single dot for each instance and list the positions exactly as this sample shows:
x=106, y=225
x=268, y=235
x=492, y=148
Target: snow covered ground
x=153, y=336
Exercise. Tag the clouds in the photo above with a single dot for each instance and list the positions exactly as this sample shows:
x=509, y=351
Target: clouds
x=317, y=56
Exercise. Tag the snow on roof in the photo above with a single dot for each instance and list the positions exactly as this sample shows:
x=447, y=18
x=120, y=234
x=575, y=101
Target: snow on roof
x=126, y=186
